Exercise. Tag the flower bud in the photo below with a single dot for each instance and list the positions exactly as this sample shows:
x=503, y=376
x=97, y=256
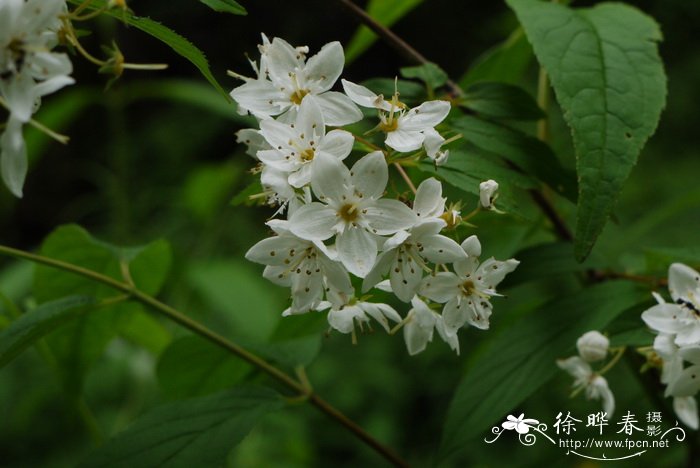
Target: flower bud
x=593, y=346
x=488, y=192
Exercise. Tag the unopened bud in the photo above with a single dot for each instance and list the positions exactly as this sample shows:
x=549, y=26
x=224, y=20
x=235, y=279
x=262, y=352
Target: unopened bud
x=593, y=346
x=488, y=192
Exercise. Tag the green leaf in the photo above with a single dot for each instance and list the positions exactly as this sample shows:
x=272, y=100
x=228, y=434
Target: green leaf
x=608, y=78
x=225, y=6
x=550, y=260
x=507, y=62
x=518, y=361
x=166, y=35
x=188, y=433
x=501, y=101
x=386, y=13
x=528, y=153
x=31, y=326
x=192, y=366
x=237, y=294
x=429, y=73
x=209, y=187
x=79, y=344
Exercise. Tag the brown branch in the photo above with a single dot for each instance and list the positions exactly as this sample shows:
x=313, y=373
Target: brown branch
x=401, y=46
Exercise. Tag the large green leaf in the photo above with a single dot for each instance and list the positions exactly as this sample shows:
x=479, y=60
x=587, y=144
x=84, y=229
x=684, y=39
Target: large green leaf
x=192, y=366
x=521, y=359
x=166, y=35
x=188, y=433
x=528, y=153
x=505, y=62
x=23, y=332
x=79, y=344
x=386, y=13
x=608, y=78
x=501, y=101
x=225, y=6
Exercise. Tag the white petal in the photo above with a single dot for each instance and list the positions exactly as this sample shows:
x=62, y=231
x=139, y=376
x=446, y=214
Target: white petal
x=689, y=334
x=425, y=116
x=364, y=97
x=576, y=366
x=338, y=109
x=441, y=249
x=282, y=59
x=357, y=250
x=447, y=336
x=405, y=277
x=599, y=387
x=432, y=143
x=380, y=268
x=302, y=176
x=13, y=159
x=313, y=222
x=388, y=216
x=686, y=408
x=472, y=246
x=307, y=290
x=429, y=202
x=259, y=97
x=309, y=121
x=370, y=174
x=683, y=282
x=336, y=276
x=50, y=64
x=279, y=135
x=441, y=287
x=687, y=384
x=252, y=138
x=274, y=250
x=330, y=178
x=691, y=354
x=342, y=319
x=325, y=67
x=404, y=141
x=51, y=85
x=493, y=271
x=480, y=312
x=455, y=313
x=381, y=312
x=337, y=143
x=664, y=318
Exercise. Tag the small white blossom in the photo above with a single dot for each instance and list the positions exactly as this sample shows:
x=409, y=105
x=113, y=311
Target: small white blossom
x=488, y=192
x=295, y=147
x=467, y=292
x=593, y=346
x=595, y=386
x=351, y=208
x=344, y=317
x=305, y=266
x=419, y=325
x=406, y=253
x=682, y=318
x=285, y=77
x=29, y=70
x=406, y=130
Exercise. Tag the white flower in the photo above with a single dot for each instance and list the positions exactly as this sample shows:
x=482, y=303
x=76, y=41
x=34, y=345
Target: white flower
x=466, y=292
x=285, y=77
x=28, y=71
x=681, y=318
x=488, y=192
x=595, y=386
x=343, y=317
x=405, y=253
x=593, y=346
x=294, y=147
x=276, y=186
x=687, y=382
x=419, y=325
x=686, y=408
x=304, y=265
x=351, y=209
x=407, y=130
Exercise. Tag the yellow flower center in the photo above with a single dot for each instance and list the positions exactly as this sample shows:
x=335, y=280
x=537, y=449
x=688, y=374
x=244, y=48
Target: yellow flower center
x=348, y=212
x=307, y=155
x=298, y=95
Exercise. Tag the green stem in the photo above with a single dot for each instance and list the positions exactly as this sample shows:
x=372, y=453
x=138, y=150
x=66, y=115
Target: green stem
x=214, y=337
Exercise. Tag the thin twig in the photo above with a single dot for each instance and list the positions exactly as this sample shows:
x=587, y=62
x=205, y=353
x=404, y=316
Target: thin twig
x=395, y=41
x=215, y=338
x=405, y=177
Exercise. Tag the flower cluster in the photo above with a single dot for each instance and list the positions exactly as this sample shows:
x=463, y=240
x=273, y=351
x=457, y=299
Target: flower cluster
x=342, y=234
x=677, y=325
x=592, y=346
x=29, y=69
